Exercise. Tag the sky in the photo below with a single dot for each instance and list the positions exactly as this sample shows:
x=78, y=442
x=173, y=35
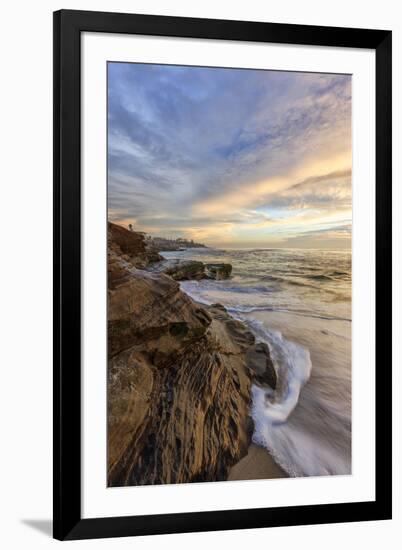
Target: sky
x=231, y=157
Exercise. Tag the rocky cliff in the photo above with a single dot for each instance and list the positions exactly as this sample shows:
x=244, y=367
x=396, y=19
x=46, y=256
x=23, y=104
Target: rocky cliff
x=129, y=246
x=179, y=376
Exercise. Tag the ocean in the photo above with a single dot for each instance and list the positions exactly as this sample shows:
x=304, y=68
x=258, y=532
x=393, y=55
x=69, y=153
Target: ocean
x=299, y=303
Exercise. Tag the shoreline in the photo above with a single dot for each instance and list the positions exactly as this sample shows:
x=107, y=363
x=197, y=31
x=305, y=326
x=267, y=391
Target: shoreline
x=315, y=332
x=257, y=464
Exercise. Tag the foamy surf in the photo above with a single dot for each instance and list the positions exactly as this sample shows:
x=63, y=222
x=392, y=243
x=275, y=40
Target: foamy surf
x=271, y=408
x=293, y=366
x=292, y=446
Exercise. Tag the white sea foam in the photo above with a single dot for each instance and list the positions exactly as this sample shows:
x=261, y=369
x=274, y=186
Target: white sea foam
x=293, y=366
x=298, y=451
x=292, y=446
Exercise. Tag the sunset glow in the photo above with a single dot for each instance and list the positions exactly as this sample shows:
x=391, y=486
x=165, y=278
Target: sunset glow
x=231, y=157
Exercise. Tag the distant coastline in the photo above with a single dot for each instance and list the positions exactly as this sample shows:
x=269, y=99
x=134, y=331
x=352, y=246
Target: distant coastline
x=160, y=244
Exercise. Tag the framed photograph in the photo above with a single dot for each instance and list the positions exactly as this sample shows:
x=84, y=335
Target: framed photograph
x=222, y=274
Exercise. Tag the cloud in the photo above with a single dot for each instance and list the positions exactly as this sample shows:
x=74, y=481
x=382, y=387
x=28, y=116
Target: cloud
x=331, y=237
x=227, y=152
x=330, y=191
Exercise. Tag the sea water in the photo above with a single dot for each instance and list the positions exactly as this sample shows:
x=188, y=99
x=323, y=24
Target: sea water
x=299, y=303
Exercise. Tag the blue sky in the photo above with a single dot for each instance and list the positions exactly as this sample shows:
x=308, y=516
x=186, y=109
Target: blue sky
x=231, y=157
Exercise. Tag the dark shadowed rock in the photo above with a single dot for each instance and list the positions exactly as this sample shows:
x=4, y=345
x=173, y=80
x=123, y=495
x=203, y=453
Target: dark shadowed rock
x=260, y=362
x=250, y=426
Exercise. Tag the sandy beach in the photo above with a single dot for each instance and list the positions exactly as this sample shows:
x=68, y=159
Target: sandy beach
x=257, y=464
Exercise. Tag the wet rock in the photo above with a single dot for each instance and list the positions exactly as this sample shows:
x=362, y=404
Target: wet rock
x=260, y=363
x=184, y=270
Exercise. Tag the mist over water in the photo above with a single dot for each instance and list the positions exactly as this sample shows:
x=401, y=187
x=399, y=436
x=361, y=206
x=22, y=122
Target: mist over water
x=299, y=303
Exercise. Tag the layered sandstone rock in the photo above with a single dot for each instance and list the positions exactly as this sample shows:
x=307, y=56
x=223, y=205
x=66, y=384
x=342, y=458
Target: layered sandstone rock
x=178, y=377
x=181, y=270
x=131, y=246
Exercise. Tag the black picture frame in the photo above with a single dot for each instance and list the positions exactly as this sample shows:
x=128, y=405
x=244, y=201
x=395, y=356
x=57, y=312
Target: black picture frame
x=68, y=26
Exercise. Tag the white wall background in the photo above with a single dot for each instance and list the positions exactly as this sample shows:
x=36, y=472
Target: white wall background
x=26, y=270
